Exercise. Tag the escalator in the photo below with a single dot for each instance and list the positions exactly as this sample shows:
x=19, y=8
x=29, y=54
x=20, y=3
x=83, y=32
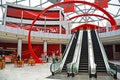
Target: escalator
x=97, y=53
x=71, y=52
x=83, y=64
x=58, y=66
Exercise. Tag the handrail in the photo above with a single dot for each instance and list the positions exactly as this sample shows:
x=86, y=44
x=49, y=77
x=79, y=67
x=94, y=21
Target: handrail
x=103, y=52
x=76, y=53
x=91, y=61
x=57, y=67
x=69, y=44
x=75, y=66
x=67, y=51
x=36, y=34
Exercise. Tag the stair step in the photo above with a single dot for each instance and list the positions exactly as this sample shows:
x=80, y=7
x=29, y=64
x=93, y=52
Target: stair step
x=83, y=66
x=101, y=70
x=83, y=70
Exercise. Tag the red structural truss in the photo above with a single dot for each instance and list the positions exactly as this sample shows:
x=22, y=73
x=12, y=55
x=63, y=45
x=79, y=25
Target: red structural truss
x=89, y=15
x=86, y=26
x=114, y=24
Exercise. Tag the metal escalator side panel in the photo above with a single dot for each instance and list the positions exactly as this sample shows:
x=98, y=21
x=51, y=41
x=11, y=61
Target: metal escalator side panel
x=79, y=50
x=91, y=60
x=103, y=52
x=90, y=48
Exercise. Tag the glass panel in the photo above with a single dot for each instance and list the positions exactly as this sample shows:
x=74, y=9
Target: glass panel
x=74, y=68
x=69, y=68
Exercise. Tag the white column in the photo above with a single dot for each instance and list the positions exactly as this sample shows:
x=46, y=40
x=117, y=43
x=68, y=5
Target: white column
x=22, y=14
x=60, y=19
x=113, y=48
x=29, y=3
x=45, y=46
x=19, y=48
x=40, y=3
x=69, y=27
x=107, y=29
x=114, y=54
x=60, y=48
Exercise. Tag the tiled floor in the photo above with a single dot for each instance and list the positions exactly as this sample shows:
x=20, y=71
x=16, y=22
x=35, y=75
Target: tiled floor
x=41, y=72
x=37, y=72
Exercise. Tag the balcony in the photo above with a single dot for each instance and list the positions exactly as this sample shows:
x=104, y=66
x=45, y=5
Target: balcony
x=9, y=34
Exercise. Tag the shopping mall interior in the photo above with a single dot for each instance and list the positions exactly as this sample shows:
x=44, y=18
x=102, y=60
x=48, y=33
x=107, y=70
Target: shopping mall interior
x=59, y=39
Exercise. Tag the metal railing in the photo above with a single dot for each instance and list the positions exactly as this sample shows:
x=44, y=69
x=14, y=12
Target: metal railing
x=18, y=31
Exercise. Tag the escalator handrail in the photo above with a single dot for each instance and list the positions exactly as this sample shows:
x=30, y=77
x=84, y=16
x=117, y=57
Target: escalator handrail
x=103, y=52
x=65, y=55
x=76, y=64
x=71, y=39
x=69, y=65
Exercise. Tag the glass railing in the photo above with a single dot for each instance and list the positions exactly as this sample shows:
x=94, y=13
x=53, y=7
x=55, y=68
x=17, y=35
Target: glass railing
x=113, y=70
x=57, y=67
x=69, y=68
x=18, y=31
x=74, y=63
x=75, y=68
x=110, y=34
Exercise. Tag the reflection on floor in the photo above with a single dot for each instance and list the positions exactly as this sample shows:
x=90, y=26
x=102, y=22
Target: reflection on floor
x=41, y=72
x=37, y=72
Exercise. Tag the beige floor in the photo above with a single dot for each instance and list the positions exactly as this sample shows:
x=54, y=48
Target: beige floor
x=101, y=76
x=37, y=72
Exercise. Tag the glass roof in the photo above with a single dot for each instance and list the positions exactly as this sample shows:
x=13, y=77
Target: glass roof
x=113, y=9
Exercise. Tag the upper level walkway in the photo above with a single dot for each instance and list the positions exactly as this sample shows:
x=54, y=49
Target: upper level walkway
x=9, y=34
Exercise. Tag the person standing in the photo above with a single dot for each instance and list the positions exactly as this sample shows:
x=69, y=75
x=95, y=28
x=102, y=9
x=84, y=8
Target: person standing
x=18, y=57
